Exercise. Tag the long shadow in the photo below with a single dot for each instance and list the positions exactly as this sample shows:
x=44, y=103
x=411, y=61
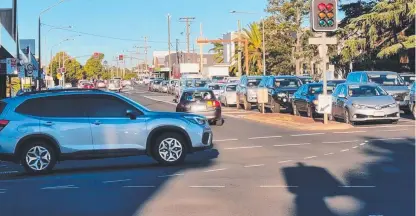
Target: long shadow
x=392, y=174
x=92, y=196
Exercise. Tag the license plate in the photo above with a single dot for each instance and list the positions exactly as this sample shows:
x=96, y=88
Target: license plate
x=378, y=113
x=197, y=108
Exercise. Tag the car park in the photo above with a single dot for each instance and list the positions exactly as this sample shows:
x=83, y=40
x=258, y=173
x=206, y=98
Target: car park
x=358, y=102
x=106, y=125
x=247, y=91
x=201, y=101
x=280, y=91
x=216, y=88
x=391, y=82
x=228, y=94
x=305, y=99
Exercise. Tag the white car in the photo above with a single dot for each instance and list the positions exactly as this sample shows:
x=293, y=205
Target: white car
x=228, y=94
x=114, y=85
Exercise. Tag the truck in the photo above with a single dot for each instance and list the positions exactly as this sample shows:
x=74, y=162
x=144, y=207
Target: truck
x=216, y=72
x=188, y=70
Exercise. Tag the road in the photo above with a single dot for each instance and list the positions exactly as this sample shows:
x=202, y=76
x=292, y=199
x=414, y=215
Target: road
x=254, y=169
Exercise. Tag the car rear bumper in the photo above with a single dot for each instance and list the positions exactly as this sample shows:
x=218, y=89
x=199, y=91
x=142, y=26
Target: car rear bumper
x=210, y=115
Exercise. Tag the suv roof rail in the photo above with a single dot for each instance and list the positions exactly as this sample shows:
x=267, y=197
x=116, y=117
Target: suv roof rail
x=60, y=90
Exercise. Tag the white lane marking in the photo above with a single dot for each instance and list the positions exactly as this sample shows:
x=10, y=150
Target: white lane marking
x=264, y=137
x=330, y=153
x=207, y=186
x=387, y=139
x=297, y=144
x=362, y=143
x=311, y=134
x=215, y=170
x=113, y=181
x=163, y=101
x=60, y=187
x=388, y=126
x=139, y=186
x=357, y=186
x=178, y=174
x=355, y=147
x=8, y=172
x=225, y=140
x=286, y=161
x=344, y=150
x=394, y=130
x=310, y=157
x=244, y=147
x=346, y=141
x=278, y=186
x=348, y=132
x=254, y=165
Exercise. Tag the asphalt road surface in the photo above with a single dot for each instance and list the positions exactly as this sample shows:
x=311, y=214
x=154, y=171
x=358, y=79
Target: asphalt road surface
x=254, y=170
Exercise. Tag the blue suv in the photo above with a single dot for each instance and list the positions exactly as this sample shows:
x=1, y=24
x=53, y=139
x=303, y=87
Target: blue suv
x=39, y=129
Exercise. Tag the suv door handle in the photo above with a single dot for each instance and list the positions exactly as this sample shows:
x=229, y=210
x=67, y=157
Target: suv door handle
x=48, y=123
x=97, y=122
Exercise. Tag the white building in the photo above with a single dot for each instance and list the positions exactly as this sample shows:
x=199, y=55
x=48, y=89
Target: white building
x=229, y=47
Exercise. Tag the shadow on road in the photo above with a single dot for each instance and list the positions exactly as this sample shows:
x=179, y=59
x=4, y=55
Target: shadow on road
x=384, y=186
x=92, y=196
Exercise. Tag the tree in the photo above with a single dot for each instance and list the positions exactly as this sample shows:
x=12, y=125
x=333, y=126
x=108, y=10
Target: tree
x=255, y=47
x=94, y=67
x=73, y=71
x=218, y=49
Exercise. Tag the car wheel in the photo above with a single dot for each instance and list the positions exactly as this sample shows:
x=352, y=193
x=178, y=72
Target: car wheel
x=394, y=121
x=347, y=119
x=275, y=107
x=310, y=112
x=169, y=149
x=247, y=105
x=331, y=117
x=238, y=102
x=226, y=103
x=295, y=110
x=38, y=157
x=219, y=122
x=414, y=111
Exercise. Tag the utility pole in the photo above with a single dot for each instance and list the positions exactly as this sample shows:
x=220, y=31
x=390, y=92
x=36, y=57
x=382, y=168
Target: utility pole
x=177, y=50
x=145, y=47
x=170, y=63
x=188, y=21
x=201, y=55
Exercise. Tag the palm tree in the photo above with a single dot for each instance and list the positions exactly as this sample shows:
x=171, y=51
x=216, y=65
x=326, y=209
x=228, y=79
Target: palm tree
x=218, y=49
x=254, y=36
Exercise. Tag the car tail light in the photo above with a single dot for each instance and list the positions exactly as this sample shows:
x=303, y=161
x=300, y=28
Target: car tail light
x=3, y=124
x=216, y=104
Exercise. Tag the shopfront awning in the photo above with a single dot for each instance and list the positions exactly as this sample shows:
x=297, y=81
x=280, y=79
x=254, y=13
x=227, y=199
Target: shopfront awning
x=8, y=46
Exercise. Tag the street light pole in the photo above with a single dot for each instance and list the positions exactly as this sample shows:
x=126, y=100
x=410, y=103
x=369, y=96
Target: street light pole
x=264, y=50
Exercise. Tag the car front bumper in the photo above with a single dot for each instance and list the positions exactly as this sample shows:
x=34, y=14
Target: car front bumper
x=203, y=139
x=371, y=114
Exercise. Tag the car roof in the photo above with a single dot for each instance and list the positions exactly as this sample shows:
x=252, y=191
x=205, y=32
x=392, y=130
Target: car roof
x=407, y=74
x=360, y=84
x=375, y=72
x=286, y=76
x=197, y=89
x=304, y=77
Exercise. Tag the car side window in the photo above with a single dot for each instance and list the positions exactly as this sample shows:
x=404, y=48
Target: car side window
x=364, y=77
x=337, y=90
x=106, y=106
x=31, y=107
x=63, y=106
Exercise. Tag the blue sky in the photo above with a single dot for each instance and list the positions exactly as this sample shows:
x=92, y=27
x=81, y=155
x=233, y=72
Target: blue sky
x=131, y=19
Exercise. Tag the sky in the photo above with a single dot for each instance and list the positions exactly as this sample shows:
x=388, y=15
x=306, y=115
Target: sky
x=128, y=19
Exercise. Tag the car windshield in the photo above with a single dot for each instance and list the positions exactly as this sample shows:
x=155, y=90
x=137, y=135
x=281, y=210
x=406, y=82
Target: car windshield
x=408, y=78
x=198, y=96
x=286, y=83
x=318, y=89
x=253, y=82
x=200, y=83
x=306, y=80
x=385, y=79
x=214, y=87
x=365, y=91
x=157, y=81
x=231, y=88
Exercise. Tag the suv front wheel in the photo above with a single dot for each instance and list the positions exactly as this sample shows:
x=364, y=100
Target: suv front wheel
x=169, y=148
x=38, y=157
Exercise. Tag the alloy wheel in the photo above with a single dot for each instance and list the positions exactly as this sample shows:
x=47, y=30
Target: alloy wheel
x=170, y=149
x=38, y=158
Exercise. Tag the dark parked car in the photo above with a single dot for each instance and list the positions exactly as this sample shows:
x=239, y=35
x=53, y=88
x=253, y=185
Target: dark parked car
x=201, y=101
x=305, y=98
x=280, y=90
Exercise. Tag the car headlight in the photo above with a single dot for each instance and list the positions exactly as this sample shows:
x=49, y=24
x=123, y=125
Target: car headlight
x=281, y=94
x=358, y=106
x=196, y=120
x=315, y=102
x=393, y=105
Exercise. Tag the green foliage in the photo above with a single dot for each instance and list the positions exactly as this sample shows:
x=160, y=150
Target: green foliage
x=73, y=70
x=130, y=75
x=94, y=67
x=218, y=49
x=253, y=35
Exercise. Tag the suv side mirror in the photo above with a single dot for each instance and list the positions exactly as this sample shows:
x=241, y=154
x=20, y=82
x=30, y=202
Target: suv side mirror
x=132, y=114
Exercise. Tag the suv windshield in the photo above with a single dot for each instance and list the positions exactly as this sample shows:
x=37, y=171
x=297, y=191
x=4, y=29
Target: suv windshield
x=318, y=89
x=280, y=83
x=157, y=81
x=408, y=78
x=253, y=82
x=198, y=96
x=214, y=87
x=365, y=91
x=231, y=88
x=385, y=79
x=200, y=83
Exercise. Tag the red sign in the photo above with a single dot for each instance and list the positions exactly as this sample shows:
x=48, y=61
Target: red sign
x=120, y=57
x=96, y=55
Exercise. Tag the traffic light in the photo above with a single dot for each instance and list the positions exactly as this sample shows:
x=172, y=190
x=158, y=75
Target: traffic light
x=324, y=15
x=120, y=57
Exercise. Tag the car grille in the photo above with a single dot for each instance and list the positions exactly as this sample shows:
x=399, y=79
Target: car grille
x=205, y=138
x=379, y=107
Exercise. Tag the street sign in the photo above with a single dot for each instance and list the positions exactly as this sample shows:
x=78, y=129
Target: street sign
x=29, y=70
x=63, y=70
x=324, y=104
x=22, y=73
x=324, y=15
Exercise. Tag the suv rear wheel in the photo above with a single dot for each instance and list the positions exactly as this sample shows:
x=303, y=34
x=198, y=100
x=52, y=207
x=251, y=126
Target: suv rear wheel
x=247, y=105
x=169, y=148
x=38, y=157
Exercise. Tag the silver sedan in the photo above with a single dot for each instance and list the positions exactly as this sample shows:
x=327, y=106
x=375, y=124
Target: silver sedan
x=358, y=102
x=228, y=94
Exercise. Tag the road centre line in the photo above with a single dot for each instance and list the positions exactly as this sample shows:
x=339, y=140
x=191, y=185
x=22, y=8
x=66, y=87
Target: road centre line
x=348, y=132
x=139, y=186
x=113, y=181
x=344, y=150
x=60, y=187
x=254, y=165
x=285, y=161
x=225, y=140
x=278, y=186
x=330, y=153
x=355, y=147
x=311, y=134
x=244, y=147
x=151, y=98
x=297, y=144
x=346, y=141
x=310, y=157
x=264, y=137
x=215, y=170
x=178, y=174
x=207, y=186
x=361, y=144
